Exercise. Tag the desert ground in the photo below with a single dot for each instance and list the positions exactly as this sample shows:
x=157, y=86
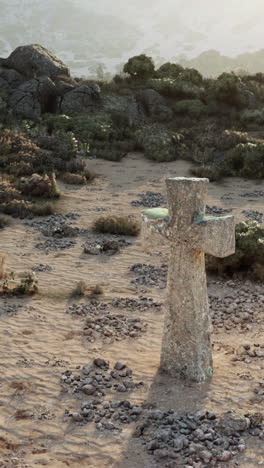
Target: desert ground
x=41, y=337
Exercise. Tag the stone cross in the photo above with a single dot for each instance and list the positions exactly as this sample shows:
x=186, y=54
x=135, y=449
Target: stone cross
x=186, y=347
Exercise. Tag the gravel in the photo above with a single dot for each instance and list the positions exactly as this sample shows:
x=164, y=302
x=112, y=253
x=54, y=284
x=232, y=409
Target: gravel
x=150, y=275
x=253, y=194
x=253, y=215
x=132, y=304
x=217, y=211
x=150, y=200
x=10, y=309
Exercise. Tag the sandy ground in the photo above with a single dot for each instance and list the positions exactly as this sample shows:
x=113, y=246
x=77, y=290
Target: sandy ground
x=41, y=340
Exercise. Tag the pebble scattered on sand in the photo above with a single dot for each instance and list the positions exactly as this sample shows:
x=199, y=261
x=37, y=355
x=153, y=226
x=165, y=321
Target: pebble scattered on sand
x=150, y=200
x=55, y=244
x=253, y=194
x=198, y=439
x=132, y=304
x=9, y=309
x=105, y=246
x=217, y=211
x=150, y=275
x=253, y=215
x=42, y=267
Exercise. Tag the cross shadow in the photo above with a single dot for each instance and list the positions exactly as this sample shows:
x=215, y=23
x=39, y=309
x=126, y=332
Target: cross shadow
x=164, y=393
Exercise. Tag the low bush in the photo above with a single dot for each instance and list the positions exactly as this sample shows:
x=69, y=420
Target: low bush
x=245, y=160
x=121, y=225
x=192, y=107
x=159, y=143
x=249, y=255
x=252, y=116
x=27, y=286
x=210, y=172
x=39, y=186
x=175, y=88
x=24, y=209
x=4, y=221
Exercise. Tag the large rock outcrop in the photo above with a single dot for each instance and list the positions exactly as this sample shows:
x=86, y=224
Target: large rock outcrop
x=34, y=60
x=124, y=104
x=33, y=98
x=154, y=105
x=83, y=98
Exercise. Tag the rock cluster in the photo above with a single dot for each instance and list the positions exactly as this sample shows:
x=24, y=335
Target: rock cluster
x=96, y=381
x=247, y=352
x=217, y=211
x=48, y=225
x=9, y=309
x=105, y=246
x=253, y=215
x=55, y=244
x=97, y=378
x=41, y=267
x=101, y=324
x=235, y=311
x=253, y=194
x=149, y=200
x=259, y=391
x=141, y=304
x=194, y=439
x=150, y=275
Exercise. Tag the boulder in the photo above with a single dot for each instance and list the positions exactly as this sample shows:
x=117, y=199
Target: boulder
x=33, y=98
x=9, y=78
x=154, y=105
x=123, y=104
x=34, y=60
x=231, y=422
x=83, y=98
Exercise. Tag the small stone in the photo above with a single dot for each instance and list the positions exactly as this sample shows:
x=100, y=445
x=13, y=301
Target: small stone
x=119, y=365
x=225, y=456
x=88, y=389
x=77, y=417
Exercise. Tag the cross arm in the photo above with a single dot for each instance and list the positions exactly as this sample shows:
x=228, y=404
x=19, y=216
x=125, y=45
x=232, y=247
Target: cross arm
x=214, y=235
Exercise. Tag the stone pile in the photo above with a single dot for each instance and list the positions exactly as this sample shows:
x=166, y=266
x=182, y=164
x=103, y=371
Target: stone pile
x=150, y=275
x=105, y=246
x=253, y=194
x=96, y=381
x=102, y=324
x=141, y=304
x=217, y=211
x=247, y=352
x=9, y=309
x=150, y=200
x=253, y=215
x=198, y=439
x=236, y=311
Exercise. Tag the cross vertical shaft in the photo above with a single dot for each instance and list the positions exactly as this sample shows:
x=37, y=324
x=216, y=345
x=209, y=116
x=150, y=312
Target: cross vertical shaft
x=186, y=349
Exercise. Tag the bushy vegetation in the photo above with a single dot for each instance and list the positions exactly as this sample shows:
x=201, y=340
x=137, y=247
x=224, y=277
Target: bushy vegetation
x=159, y=143
x=245, y=160
x=121, y=225
x=249, y=255
x=175, y=88
x=192, y=107
x=139, y=66
x=26, y=286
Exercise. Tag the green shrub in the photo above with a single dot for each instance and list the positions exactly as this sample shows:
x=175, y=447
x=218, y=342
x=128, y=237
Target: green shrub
x=120, y=225
x=169, y=70
x=174, y=88
x=245, y=160
x=252, y=116
x=227, y=88
x=159, y=143
x=27, y=286
x=249, y=255
x=139, y=66
x=191, y=75
x=229, y=139
x=192, y=107
x=208, y=171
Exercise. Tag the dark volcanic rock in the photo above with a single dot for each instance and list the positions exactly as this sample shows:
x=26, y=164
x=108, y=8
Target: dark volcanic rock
x=34, y=61
x=83, y=98
x=154, y=105
x=33, y=98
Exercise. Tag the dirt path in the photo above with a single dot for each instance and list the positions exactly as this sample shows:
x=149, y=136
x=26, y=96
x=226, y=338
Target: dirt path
x=40, y=341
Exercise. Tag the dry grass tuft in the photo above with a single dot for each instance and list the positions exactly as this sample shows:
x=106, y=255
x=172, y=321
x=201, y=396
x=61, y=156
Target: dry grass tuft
x=120, y=225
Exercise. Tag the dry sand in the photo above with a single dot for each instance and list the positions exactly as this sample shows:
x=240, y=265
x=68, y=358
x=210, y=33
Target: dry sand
x=41, y=340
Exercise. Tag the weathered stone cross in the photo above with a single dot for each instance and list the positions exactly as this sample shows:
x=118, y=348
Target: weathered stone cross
x=186, y=346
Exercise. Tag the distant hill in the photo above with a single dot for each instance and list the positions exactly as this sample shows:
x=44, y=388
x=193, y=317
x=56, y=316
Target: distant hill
x=99, y=36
